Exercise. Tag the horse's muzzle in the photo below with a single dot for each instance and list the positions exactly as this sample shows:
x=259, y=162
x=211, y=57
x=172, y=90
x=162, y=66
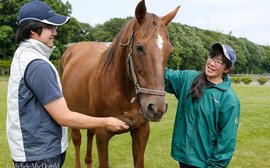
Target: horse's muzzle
x=154, y=111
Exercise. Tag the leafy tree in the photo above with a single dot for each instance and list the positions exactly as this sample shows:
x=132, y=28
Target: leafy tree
x=4, y=67
x=266, y=61
x=107, y=31
x=82, y=31
x=176, y=57
x=8, y=15
x=254, y=56
x=6, y=41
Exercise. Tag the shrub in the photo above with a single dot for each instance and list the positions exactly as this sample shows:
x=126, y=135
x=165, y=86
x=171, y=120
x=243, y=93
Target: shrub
x=236, y=79
x=246, y=80
x=262, y=80
x=56, y=63
x=4, y=67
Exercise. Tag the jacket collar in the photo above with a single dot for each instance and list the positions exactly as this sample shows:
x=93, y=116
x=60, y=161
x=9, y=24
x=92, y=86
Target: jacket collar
x=38, y=46
x=223, y=85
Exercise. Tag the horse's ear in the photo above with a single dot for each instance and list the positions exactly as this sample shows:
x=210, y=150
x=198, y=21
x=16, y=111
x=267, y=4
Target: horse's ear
x=168, y=18
x=140, y=11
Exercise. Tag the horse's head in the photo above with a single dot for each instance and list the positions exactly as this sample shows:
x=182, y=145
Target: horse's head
x=149, y=50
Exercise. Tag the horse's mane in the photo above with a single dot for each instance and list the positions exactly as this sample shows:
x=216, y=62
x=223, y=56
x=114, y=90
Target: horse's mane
x=108, y=57
x=151, y=23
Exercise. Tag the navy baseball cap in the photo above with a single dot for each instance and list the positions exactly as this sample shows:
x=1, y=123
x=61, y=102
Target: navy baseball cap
x=42, y=12
x=227, y=51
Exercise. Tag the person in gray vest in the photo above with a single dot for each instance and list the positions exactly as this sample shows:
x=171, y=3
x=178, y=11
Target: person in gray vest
x=37, y=113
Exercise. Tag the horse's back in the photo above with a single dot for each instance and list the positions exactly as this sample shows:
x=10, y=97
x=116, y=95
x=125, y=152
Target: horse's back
x=83, y=52
x=78, y=64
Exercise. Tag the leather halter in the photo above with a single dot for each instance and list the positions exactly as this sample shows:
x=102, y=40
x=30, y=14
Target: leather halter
x=132, y=75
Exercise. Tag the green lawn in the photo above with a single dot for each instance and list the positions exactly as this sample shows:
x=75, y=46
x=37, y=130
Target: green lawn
x=253, y=142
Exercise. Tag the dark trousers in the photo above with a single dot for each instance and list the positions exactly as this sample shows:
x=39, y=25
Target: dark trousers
x=183, y=165
x=55, y=162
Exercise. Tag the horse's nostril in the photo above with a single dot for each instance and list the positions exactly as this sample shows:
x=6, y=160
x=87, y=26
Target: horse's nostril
x=166, y=108
x=151, y=109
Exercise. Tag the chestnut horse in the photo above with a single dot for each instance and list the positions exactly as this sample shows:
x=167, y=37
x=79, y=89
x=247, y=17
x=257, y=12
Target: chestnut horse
x=124, y=80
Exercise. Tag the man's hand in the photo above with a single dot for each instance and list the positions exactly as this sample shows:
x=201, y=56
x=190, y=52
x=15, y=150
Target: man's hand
x=114, y=124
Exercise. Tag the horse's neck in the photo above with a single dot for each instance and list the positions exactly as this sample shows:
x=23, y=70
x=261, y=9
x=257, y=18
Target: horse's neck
x=116, y=71
x=113, y=64
x=121, y=67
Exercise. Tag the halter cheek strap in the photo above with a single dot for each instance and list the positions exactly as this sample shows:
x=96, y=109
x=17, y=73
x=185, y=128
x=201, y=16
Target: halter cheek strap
x=132, y=75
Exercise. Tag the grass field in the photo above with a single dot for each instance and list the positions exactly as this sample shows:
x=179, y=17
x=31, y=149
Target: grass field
x=252, y=148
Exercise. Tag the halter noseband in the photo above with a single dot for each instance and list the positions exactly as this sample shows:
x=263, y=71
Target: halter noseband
x=132, y=75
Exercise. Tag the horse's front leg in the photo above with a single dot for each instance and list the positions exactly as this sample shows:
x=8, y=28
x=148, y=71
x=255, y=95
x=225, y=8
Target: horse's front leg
x=76, y=139
x=102, y=140
x=88, y=157
x=139, y=141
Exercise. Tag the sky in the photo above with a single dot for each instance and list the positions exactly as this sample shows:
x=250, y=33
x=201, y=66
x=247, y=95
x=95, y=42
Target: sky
x=249, y=19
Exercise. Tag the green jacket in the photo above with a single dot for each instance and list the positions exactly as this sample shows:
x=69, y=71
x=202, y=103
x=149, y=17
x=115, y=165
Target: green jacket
x=204, y=131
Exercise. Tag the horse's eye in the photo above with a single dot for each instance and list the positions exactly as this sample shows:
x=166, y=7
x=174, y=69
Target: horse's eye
x=140, y=49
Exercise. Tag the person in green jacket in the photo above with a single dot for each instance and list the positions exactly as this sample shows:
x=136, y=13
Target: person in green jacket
x=208, y=111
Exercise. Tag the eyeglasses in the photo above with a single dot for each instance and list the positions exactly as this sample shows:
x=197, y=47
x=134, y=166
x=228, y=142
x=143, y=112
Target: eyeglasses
x=51, y=27
x=216, y=61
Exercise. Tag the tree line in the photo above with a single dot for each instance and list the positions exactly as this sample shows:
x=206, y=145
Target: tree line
x=191, y=44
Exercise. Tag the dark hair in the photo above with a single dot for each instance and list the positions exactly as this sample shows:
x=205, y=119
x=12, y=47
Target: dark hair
x=199, y=83
x=25, y=28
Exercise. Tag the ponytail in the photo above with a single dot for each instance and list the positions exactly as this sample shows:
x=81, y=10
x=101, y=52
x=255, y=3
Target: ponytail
x=198, y=86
